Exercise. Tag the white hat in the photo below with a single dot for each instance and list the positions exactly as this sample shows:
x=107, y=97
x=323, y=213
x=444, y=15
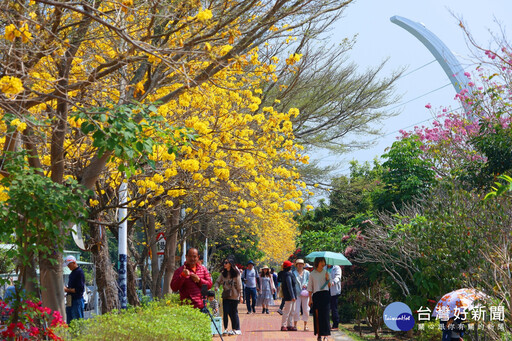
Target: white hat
x=68, y=260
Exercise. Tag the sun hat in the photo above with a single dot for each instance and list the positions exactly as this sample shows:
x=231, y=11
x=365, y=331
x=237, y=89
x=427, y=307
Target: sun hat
x=307, y=265
x=265, y=267
x=68, y=260
x=299, y=261
x=287, y=264
x=250, y=262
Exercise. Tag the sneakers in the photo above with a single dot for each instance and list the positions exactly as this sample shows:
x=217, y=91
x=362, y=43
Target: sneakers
x=292, y=329
x=237, y=332
x=279, y=311
x=248, y=312
x=284, y=329
x=266, y=311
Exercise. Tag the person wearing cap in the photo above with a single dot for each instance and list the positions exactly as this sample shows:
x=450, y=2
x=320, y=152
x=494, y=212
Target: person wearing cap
x=302, y=279
x=280, y=277
x=267, y=289
x=74, y=289
x=250, y=278
x=189, y=279
x=289, y=297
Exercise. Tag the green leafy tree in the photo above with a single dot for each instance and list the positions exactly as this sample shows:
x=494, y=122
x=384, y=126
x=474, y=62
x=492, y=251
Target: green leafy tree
x=405, y=176
x=352, y=195
x=33, y=218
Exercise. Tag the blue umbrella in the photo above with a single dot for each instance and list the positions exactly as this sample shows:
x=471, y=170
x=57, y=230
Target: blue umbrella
x=331, y=258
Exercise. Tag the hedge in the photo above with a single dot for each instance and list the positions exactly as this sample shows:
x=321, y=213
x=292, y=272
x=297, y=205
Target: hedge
x=164, y=319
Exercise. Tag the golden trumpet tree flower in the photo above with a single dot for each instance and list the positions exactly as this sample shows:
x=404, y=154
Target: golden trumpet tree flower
x=161, y=94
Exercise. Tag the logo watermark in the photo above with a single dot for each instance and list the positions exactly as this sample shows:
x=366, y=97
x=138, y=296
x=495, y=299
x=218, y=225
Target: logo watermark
x=398, y=317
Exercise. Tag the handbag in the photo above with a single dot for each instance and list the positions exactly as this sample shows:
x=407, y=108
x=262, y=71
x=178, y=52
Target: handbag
x=226, y=293
x=304, y=293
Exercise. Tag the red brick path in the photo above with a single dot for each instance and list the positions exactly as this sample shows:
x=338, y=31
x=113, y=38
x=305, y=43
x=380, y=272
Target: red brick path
x=257, y=327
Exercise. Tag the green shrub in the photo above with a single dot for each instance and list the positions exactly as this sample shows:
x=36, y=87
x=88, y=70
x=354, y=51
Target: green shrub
x=215, y=275
x=164, y=319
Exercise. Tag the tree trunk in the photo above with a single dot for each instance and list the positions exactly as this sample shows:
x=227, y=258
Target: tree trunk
x=170, y=248
x=133, y=298
x=28, y=276
x=52, y=282
x=156, y=289
x=106, y=278
x=131, y=267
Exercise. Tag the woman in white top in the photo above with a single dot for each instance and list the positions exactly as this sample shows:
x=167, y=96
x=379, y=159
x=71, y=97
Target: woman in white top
x=320, y=298
x=302, y=277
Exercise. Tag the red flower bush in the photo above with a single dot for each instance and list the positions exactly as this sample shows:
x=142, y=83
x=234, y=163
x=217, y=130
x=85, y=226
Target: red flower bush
x=27, y=320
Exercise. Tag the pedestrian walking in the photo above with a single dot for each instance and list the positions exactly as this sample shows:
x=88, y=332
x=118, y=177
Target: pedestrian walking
x=289, y=297
x=302, y=280
x=231, y=295
x=320, y=298
x=266, y=289
x=335, y=290
x=274, y=278
x=250, y=278
x=280, y=291
x=453, y=329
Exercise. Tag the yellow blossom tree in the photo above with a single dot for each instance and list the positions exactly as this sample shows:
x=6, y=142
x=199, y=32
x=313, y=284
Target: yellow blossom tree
x=62, y=62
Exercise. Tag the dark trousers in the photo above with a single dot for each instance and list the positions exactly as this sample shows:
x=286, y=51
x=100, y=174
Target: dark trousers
x=76, y=311
x=321, y=307
x=334, y=311
x=250, y=293
x=230, y=308
x=281, y=306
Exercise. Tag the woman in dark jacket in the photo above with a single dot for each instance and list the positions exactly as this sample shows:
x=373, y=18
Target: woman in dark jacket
x=289, y=297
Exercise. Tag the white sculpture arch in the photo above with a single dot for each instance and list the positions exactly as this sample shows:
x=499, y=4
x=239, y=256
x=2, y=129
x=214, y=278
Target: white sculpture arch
x=439, y=50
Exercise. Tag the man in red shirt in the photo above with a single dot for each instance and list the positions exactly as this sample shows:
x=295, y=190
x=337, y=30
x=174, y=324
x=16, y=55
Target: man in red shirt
x=189, y=279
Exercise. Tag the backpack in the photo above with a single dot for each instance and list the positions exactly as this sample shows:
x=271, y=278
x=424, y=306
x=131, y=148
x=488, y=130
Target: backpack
x=244, y=275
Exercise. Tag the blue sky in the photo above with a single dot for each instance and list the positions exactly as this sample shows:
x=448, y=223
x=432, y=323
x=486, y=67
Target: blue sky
x=425, y=81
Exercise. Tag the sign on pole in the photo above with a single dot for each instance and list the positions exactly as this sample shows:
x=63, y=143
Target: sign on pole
x=160, y=243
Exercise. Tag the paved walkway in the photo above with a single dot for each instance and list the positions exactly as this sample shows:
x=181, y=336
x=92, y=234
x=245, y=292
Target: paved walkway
x=257, y=327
